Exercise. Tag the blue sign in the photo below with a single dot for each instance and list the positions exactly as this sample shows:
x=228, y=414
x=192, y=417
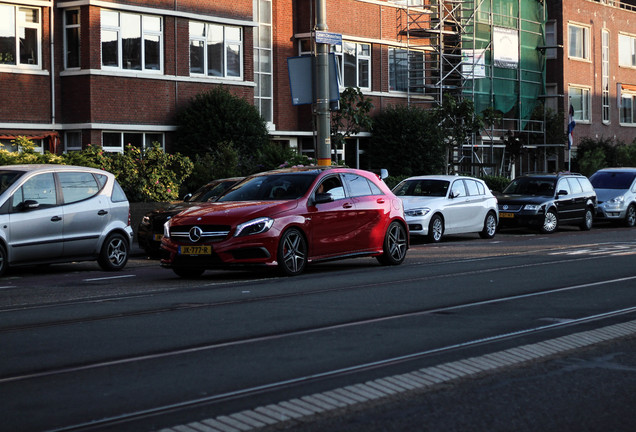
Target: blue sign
x=328, y=38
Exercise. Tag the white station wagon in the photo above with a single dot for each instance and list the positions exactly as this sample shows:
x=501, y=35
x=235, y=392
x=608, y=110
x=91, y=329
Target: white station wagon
x=439, y=205
x=59, y=213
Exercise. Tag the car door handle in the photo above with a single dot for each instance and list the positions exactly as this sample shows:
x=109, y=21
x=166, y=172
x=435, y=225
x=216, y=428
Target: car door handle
x=380, y=200
x=102, y=212
x=347, y=205
x=56, y=218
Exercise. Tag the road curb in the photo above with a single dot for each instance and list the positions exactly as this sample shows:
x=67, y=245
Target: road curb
x=300, y=410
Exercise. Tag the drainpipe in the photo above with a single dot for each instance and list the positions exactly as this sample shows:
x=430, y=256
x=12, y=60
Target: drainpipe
x=52, y=37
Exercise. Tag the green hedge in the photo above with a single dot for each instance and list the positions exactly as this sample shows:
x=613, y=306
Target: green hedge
x=145, y=175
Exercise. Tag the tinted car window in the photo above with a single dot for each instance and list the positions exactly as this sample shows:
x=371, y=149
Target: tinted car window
x=358, y=186
x=77, y=186
x=40, y=188
x=458, y=189
x=436, y=188
x=211, y=191
x=530, y=186
x=271, y=187
x=575, y=186
x=612, y=180
x=332, y=185
x=7, y=178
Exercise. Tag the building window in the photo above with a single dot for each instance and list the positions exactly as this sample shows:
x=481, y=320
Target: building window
x=627, y=50
x=627, y=105
x=72, y=141
x=117, y=141
x=131, y=41
x=605, y=79
x=579, y=42
x=579, y=98
x=215, y=50
x=20, y=36
x=263, y=59
x=354, y=64
x=399, y=79
x=12, y=146
x=71, y=39
x=551, y=39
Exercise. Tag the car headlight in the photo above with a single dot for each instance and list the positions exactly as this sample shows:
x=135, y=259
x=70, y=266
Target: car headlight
x=255, y=226
x=166, y=229
x=617, y=201
x=145, y=221
x=417, y=212
x=532, y=207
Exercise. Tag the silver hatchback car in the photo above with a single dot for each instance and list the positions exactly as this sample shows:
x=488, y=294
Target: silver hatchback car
x=616, y=192
x=60, y=213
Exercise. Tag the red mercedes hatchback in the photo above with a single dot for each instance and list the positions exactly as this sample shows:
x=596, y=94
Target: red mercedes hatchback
x=289, y=218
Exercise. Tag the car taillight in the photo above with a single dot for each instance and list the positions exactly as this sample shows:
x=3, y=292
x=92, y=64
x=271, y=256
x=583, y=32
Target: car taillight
x=128, y=217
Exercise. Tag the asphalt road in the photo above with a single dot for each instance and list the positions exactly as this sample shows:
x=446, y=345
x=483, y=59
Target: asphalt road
x=144, y=350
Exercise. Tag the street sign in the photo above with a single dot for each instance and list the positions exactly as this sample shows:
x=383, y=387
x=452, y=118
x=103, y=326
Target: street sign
x=328, y=38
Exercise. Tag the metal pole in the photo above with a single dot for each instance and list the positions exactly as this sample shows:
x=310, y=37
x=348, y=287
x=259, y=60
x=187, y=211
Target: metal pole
x=323, y=126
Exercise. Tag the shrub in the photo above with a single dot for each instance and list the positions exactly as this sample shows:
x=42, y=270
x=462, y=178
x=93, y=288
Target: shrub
x=496, y=183
x=406, y=141
x=218, y=117
x=148, y=175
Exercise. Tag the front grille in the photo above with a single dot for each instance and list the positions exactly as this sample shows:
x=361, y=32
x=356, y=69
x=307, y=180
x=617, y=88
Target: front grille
x=510, y=207
x=206, y=233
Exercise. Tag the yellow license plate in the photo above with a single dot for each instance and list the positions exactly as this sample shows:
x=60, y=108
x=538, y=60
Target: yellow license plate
x=506, y=215
x=195, y=250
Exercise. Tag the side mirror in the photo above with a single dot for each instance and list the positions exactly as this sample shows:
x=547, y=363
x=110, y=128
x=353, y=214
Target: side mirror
x=384, y=173
x=562, y=192
x=322, y=198
x=187, y=197
x=30, y=205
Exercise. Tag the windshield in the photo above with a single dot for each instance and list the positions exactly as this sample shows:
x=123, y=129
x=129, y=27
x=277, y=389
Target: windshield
x=271, y=187
x=424, y=187
x=7, y=178
x=211, y=191
x=531, y=186
x=612, y=180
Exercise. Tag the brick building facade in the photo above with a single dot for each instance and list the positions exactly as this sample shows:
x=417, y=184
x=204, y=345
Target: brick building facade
x=595, y=71
x=112, y=72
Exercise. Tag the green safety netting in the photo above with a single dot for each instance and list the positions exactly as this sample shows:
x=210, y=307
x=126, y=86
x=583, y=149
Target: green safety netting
x=514, y=88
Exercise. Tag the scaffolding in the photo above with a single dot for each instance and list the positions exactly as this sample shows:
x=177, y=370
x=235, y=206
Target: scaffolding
x=489, y=51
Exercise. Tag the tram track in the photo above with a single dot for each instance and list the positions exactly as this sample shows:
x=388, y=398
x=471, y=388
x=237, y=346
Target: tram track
x=240, y=301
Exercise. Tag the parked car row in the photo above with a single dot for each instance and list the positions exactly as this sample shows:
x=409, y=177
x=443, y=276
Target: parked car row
x=286, y=218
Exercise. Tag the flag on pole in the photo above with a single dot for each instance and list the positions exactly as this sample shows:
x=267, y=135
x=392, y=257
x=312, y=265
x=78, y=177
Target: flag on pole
x=571, y=124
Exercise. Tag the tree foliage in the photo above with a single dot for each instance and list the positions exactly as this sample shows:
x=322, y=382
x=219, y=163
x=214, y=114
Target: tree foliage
x=217, y=117
x=352, y=117
x=406, y=141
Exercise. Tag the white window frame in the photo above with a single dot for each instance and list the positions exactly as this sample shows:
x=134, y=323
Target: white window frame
x=227, y=43
x=584, y=39
x=72, y=137
x=631, y=96
x=627, y=50
x=584, y=113
x=359, y=58
x=144, y=33
x=20, y=25
x=122, y=144
x=605, y=76
x=263, y=60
